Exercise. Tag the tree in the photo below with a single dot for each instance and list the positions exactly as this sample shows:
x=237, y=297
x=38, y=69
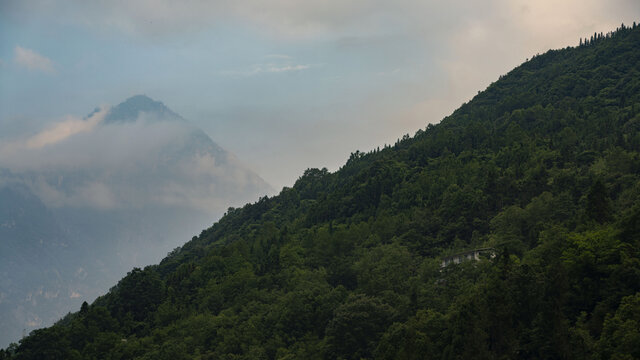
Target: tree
x=598, y=207
x=357, y=325
x=621, y=333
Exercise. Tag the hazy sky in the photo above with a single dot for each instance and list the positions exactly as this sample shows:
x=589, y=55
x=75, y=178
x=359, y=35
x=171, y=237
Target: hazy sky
x=283, y=84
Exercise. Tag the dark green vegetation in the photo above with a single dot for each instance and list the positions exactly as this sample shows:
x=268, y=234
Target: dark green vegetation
x=543, y=166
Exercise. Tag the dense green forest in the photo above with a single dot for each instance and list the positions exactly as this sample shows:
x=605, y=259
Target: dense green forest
x=543, y=167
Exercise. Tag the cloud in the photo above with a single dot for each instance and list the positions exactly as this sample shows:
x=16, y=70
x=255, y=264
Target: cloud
x=280, y=64
x=33, y=61
x=446, y=51
x=62, y=130
x=278, y=56
x=55, y=133
x=296, y=19
x=285, y=68
x=77, y=143
x=266, y=68
x=147, y=163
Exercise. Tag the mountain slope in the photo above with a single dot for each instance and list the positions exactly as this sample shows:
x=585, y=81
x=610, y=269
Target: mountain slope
x=30, y=233
x=78, y=211
x=543, y=168
x=131, y=109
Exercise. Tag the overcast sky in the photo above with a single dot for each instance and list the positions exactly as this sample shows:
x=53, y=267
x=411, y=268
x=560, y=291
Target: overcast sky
x=283, y=84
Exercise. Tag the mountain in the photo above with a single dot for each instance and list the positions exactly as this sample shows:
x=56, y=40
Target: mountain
x=539, y=175
x=30, y=234
x=131, y=109
x=78, y=211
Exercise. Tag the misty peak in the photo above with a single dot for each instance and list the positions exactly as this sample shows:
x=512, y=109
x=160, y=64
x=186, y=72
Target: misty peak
x=130, y=109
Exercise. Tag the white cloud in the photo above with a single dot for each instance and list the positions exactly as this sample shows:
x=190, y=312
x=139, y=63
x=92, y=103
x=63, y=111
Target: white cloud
x=54, y=134
x=279, y=64
x=33, y=61
x=146, y=163
x=267, y=68
x=74, y=143
x=278, y=56
x=62, y=130
x=276, y=69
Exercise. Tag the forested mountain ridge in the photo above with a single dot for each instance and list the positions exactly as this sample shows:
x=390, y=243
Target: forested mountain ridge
x=543, y=167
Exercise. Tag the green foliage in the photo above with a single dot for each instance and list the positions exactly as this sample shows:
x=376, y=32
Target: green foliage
x=543, y=167
x=621, y=334
x=356, y=327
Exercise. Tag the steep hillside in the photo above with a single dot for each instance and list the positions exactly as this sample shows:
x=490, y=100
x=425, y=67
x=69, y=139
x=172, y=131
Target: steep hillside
x=542, y=169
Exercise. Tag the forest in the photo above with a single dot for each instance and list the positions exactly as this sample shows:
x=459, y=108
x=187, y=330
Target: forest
x=542, y=168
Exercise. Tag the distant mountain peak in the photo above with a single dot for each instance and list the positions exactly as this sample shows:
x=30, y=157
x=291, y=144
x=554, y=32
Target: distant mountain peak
x=130, y=109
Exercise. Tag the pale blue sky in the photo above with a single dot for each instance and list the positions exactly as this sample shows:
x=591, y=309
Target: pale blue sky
x=284, y=84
